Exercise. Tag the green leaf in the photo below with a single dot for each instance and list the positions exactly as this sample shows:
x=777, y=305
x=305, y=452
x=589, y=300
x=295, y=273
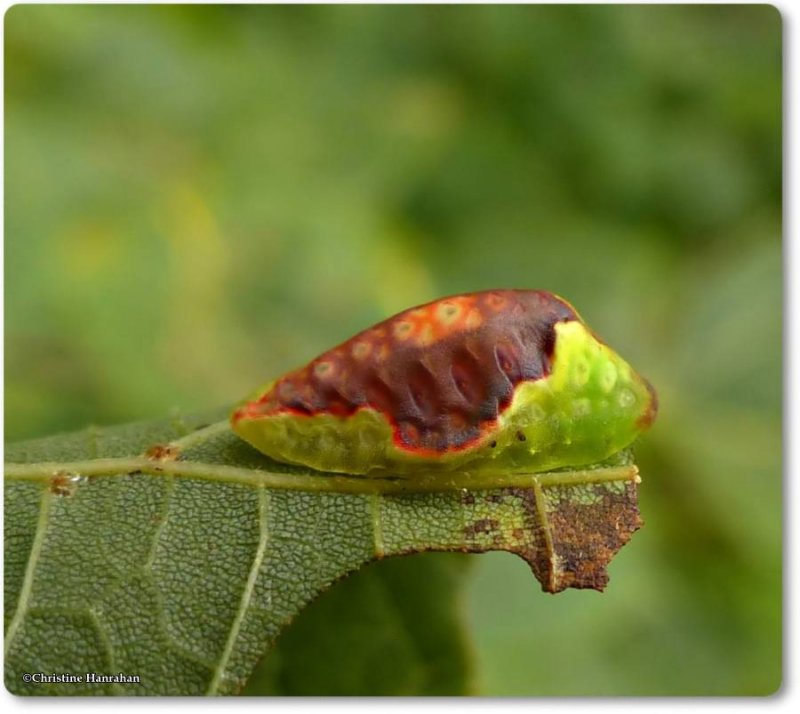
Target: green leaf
x=175, y=552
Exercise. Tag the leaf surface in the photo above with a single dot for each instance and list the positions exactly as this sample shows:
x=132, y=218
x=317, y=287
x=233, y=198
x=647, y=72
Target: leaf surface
x=173, y=551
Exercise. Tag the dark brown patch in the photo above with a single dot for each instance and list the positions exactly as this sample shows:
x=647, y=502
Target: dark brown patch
x=547, y=341
x=337, y=404
x=422, y=389
x=471, y=370
x=521, y=436
x=584, y=537
x=506, y=358
x=482, y=525
x=467, y=377
x=378, y=394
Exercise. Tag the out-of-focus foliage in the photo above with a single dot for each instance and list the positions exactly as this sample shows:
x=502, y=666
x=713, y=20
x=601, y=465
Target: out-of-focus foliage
x=391, y=631
x=199, y=198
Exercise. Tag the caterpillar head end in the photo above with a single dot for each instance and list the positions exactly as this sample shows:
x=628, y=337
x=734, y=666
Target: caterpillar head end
x=604, y=403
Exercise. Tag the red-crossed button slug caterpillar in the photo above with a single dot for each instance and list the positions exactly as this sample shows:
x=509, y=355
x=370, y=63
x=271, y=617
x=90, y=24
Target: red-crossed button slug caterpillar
x=498, y=381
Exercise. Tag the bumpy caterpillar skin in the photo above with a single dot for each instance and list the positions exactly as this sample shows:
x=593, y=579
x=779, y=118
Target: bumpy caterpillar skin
x=496, y=381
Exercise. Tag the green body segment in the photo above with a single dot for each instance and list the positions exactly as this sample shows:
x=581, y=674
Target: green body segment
x=591, y=405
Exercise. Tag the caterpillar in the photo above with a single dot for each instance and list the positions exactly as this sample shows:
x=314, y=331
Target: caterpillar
x=493, y=381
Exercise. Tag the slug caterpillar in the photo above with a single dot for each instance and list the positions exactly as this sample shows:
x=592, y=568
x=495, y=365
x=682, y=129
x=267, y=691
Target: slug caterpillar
x=494, y=381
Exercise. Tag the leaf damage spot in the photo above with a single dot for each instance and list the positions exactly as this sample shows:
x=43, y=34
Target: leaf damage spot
x=480, y=527
x=64, y=484
x=569, y=539
x=163, y=452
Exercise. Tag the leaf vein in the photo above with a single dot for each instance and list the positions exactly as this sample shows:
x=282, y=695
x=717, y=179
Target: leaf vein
x=23, y=601
x=105, y=641
x=377, y=525
x=247, y=593
x=547, y=535
x=165, y=510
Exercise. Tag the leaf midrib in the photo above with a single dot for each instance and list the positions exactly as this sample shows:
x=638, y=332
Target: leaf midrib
x=314, y=482
x=44, y=471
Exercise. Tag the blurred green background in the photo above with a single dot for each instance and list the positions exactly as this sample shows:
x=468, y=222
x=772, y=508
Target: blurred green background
x=200, y=198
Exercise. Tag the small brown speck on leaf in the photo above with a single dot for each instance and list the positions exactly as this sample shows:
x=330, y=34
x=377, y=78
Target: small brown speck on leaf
x=162, y=452
x=63, y=483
